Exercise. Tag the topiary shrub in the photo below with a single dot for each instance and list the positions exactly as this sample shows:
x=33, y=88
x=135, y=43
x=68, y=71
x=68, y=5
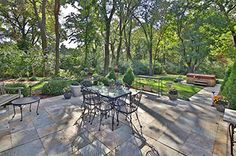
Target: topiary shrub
x=111, y=75
x=25, y=91
x=55, y=87
x=229, y=90
x=129, y=77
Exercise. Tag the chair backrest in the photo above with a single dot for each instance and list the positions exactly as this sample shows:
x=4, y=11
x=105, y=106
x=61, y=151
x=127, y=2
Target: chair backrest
x=136, y=98
x=89, y=95
x=86, y=83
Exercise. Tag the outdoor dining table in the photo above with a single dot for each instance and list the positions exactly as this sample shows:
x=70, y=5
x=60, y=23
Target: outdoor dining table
x=109, y=92
x=230, y=117
x=112, y=94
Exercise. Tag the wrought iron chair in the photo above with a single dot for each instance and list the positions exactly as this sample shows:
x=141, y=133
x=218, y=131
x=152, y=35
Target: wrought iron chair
x=91, y=101
x=104, y=110
x=128, y=108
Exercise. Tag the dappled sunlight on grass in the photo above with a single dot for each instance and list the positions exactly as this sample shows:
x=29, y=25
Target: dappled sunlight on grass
x=185, y=91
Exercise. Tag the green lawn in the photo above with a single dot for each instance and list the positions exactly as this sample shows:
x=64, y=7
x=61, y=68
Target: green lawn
x=185, y=91
x=38, y=86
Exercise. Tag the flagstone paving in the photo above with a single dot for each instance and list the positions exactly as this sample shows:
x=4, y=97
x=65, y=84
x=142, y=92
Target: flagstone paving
x=172, y=128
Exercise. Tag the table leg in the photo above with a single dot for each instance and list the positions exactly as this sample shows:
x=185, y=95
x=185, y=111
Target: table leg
x=14, y=112
x=30, y=107
x=112, y=122
x=38, y=108
x=21, y=113
x=117, y=118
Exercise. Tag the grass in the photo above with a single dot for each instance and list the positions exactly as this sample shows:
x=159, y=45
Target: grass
x=38, y=86
x=184, y=91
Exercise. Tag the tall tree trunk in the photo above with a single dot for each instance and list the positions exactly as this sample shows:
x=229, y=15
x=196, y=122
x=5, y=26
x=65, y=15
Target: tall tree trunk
x=42, y=26
x=107, y=21
x=233, y=32
x=44, y=37
x=57, y=27
x=128, y=41
x=150, y=59
x=150, y=51
x=120, y=41
x=107, y=55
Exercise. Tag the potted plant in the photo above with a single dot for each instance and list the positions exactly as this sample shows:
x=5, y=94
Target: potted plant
x=67, y=92
x=75, y=88
x=173, y=94
x=219, y=103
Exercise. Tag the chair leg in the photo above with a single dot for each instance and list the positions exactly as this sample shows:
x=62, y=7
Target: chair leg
x=94, y=113
x=131, y=123
x=138, y=120
x=100, y=122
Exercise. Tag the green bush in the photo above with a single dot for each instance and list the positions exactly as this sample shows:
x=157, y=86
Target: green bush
x=158, y=69
x=140, y=67
x=229, y=90
x=128, y=77
x=25, y=91
x=55, y=87
x=227, y=74
x=111, y=75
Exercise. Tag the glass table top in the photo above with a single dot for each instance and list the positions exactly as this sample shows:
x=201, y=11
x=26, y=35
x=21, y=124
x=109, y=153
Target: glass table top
x=110, y=92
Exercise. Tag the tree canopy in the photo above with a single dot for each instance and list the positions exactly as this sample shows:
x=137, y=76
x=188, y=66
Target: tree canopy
x=45, y=37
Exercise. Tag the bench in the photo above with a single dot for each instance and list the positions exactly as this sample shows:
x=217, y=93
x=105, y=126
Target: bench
x=5, y=96
x=201, y=79
x=202, y=83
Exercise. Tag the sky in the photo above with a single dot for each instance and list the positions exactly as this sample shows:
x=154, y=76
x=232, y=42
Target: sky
x=65, y=11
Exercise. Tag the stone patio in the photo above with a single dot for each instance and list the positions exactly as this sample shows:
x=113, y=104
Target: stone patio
x=173, y=128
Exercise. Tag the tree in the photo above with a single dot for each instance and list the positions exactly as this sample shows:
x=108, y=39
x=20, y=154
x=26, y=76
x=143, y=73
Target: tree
x=57, y=27
x=151, y=15
x=18, y=23
x=228, y=9
x=107, y=15
x=82, y=26
x=42, y=25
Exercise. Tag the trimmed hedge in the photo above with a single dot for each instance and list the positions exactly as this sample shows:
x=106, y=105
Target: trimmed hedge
x=229, y=89
x=55, y=87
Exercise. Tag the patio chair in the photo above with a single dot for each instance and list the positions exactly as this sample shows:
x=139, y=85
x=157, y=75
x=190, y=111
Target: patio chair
x=104, y=110
x=91, y=101
x=128, y=108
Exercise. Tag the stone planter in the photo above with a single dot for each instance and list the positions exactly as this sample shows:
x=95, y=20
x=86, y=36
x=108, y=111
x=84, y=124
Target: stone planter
x=173, y=97
x=67, y=95
x=76, y=90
